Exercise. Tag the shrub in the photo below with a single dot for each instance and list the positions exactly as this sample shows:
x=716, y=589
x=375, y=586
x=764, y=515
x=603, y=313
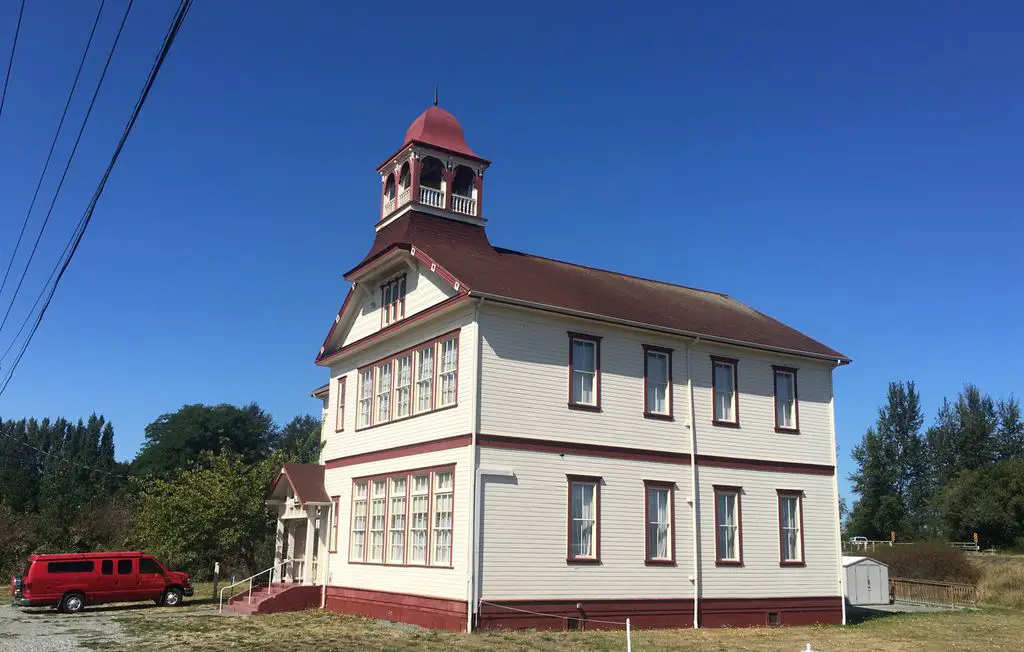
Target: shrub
x=928, y=560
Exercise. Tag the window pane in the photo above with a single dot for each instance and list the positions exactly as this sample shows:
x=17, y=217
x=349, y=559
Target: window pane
x=124, y=566
x=584, y=519
x=442, y=518
x=403, y=385
x=448, y=375
x=789, y=524
x=425, y=379
x=384, y=392
x=785, y=399
x=724, y=392
x=365, y=397
x=727, y=526
x=584, y=355
x=658, y=524
x=396, y=522
x=419, y=518
x=657, y=383
x=358, y=541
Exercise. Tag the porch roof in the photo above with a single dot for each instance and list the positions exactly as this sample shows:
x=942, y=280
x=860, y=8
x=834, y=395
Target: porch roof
x=306, y=481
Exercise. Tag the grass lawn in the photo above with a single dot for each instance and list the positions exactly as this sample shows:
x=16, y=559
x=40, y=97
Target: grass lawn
x=988, y=629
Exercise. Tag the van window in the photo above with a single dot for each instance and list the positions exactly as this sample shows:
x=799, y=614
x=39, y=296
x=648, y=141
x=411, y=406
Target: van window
x=107, y=567
x=70, y=567
x=149, y=566
x=124, y=566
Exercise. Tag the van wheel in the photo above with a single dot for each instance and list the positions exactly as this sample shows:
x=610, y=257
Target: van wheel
x=172, y=598
x=72, y=603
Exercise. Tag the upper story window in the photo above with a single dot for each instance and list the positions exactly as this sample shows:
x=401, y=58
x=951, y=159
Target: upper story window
x=728, y=526
x=339, y=422
x=724, y=393
x=392, y=300
x=584, y=519
x=403, y=385
x=791, y=528
x=657, y=382
x=659, y=510
x=332, y=538
x=584, y=371
x=787, y=411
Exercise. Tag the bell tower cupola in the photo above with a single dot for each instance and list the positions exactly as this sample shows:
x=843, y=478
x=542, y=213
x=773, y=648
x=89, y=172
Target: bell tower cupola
x=434, y=171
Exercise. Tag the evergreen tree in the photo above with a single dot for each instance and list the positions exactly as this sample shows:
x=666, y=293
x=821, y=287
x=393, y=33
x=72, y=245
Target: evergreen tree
x=1010, y=430
x=299, y=441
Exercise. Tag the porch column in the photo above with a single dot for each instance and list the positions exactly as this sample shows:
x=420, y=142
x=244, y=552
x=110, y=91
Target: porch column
x=291, y=552
x=279, y=546
x=308, y=576
x=322, y=564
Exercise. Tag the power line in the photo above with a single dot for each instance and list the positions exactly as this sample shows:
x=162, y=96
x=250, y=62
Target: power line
x=65, y=459
x=53, y=145
x=10, y=61
x=71, y=157
x=172, y=33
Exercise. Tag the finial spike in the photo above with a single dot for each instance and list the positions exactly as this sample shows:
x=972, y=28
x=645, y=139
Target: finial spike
x=435, y=94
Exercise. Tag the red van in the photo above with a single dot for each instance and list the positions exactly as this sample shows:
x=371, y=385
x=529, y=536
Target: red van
x=74, y=580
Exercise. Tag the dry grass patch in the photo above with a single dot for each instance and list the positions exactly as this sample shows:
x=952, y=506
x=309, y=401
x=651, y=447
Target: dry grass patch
x=979, y=630
x=1002, y=580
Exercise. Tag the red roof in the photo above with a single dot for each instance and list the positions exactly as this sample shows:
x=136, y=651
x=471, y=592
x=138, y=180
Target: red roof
x=306, y=480
x=465, y=251
x=437, y=127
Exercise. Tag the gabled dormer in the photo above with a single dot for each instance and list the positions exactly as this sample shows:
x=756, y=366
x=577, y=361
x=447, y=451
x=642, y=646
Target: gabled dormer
x=434, y=171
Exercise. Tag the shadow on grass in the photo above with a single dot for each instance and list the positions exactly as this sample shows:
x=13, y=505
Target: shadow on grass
x=120, y=607
x=858, y=615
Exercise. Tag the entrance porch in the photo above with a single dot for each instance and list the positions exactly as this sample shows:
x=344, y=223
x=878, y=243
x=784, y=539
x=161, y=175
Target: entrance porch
x=303, y=519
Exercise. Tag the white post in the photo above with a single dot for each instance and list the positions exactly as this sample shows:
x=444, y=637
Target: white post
x=629, y=638
x=307, y=566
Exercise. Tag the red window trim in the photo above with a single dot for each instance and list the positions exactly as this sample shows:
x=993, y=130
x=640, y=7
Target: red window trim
x=412, y=350
x=799, y=495
x=671, y=486
x=573, y=404
x=387, y=477
x=669, y=416
x=735, y=391
x=336, y=505
x=795, y=430
x=738, y=491
x=339, y=414
x=596, y=481
x=397, y=302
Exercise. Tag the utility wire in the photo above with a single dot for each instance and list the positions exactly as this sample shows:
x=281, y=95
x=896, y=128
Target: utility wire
x=71, y=157
x=53, y=145
x=172, y=33
x=10, y=60
x=65, y=459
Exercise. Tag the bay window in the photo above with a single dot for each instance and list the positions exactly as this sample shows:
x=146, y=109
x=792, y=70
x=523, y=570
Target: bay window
x=657, y=382
x=724, y=394
x=791, y=528
x=728, y=526
x=659, y=510
x=584, y=543
x=584, y=371
x=787, y=411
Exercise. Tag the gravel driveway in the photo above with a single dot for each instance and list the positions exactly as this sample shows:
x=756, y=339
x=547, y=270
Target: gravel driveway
x=45, y=630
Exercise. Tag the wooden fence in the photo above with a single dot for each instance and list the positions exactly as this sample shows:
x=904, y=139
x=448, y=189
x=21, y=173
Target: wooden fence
x=939, y=594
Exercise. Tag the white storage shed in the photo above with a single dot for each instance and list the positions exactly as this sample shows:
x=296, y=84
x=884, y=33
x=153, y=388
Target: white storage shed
x=867, y=581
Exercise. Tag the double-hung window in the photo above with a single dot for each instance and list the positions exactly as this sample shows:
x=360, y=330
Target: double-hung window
x=584, y=521
x=723, y=391
x=728, y=526
x=448, y=374
x=403, y=386
x=383, y=372
x=425, y=379
x=404, y=518
x=584, y=371
x=659, y=510
x=791, y=528
x=365, y=397
x=787, y=411
x=442, y=533
x=332, y=544
x=339, y=420
x=357, y=544
x=396, y=521
x=392, y=300
x=657, y=382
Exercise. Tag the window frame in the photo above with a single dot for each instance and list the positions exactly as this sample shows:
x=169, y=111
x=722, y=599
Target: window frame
x=596, y=341
x=799, y=496
x=434, y=529
x=392, y=300
x=596, y=482
x=352, y=521
x=408, y=476
x=776, y=370
x=434, y=345
x=648, y=414
x=671, y=488
x=734, y=363
x=332, y=536
x=720, y=490
x=339, y=410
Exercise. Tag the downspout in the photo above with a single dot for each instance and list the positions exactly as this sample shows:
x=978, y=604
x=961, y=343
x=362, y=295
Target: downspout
x=835, y=489
x=474, y=428
x=694, y=491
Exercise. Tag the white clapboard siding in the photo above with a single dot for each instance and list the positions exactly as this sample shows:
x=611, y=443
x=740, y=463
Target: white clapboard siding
x=525, y=392
x=525, y=529
x=435, y=582
x=423, y=290
x=761, y=574
x=435, y=425
x=756, y=436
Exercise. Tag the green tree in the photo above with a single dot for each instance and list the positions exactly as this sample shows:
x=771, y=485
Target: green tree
x=964, y=436
x=989, y=501
x=1010, y=430
x=299, y=441
x=176, y=440
x=211, y=512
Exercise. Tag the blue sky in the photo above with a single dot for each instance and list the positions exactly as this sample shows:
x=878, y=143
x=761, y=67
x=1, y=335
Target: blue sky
x=851, y=170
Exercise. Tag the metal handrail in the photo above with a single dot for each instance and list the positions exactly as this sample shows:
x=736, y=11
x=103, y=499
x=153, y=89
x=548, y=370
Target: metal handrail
x=220, y=606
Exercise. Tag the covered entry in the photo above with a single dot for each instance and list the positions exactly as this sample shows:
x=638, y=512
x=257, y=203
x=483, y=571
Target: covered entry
x=303, y=516
x=867, y=581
